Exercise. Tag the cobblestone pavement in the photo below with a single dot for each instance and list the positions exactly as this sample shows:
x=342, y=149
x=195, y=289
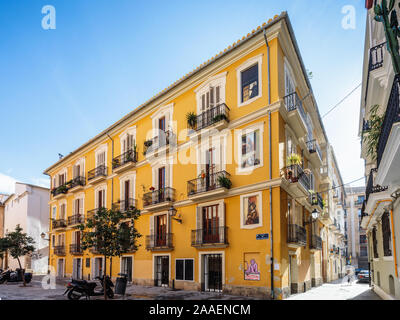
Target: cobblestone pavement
x=338, y=290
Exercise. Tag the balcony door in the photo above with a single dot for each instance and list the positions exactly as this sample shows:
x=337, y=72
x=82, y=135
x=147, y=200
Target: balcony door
x=77, y=268
x=77, y=239
x=161, y=183
x=127, y=143
x=126, y=195
x=211, y=224
x=77, y=170
x=162, y=271
x=161, y=230
x=210, y=169
x=210, y=99
x=101, y=199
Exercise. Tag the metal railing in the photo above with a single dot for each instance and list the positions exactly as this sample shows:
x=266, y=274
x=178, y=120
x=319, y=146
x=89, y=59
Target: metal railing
x=316, y=200
x=159, y=196
x=210, y=236
x=59, y=223
x=371, y=188
x=126, y=157
x=293, y=102
x=376, y=57
x=392, y=116
x=313, y=147
x=295, y=173
x=159, y=241
x=315, y=242
x=163, y=139
x=63, y=189
x=297, y=234
x=206, y=183
x=75, y=219
x=100, y=171
x=90, y=214
x=75, y=249
x=211, y=116
x=59, y=250
x=77, y=181
x=125, y=205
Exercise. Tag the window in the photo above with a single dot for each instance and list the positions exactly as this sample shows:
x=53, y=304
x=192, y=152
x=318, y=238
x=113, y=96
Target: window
x=53, y=241
x=249, y=85
x=386, y=234
x=184, y=269
x=54, y=213
x=289, y=84
x=374, y=243
x=250, y=148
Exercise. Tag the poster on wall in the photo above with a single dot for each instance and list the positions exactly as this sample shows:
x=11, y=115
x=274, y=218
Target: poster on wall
x=251, y=269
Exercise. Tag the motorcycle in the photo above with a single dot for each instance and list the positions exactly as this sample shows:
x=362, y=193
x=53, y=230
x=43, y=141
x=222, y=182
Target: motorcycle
x=77, y=289
x=14, y=276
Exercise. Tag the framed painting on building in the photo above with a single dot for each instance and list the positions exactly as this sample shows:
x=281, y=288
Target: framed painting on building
x=251, y=211
x=251, y=266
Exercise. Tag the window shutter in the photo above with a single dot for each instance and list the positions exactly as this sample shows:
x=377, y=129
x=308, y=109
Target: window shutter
x=81, y=211
x=217, y=95
x=152, y=236
x=222, y=215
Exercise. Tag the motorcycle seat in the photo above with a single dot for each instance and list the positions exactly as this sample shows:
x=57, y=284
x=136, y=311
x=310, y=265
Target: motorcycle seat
x=80, y=282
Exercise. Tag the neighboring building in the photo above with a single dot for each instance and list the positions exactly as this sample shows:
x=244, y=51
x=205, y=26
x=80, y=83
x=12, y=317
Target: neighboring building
x=356, y=235
x=151, y=160
x=28, y=207
x=381, y=212
x=3, y=198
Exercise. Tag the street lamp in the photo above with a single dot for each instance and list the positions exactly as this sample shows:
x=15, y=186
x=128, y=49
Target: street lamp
x=172, y=212
x=314, y=216
x=43, y=235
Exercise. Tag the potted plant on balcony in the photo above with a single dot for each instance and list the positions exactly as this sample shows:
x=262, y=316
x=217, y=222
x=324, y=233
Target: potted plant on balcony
x=292, y=160
x=115, y=163
x=152, y=188
x=219, y=117
x=371, y=138
x=191, y=119
x=225, y=182
x=62, y=189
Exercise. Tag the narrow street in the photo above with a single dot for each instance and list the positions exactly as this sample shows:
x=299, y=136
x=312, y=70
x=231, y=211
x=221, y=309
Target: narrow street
x=337, y=290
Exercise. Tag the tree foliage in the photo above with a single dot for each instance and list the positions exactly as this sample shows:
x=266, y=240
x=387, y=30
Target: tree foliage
x=371, y=137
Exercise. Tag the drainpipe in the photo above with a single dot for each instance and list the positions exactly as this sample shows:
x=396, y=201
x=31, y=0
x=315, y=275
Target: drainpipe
x=270, y=167
x=112, y=192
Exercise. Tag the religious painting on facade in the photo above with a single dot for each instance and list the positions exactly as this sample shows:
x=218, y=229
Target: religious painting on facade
x=251, y=266
x=251, y=211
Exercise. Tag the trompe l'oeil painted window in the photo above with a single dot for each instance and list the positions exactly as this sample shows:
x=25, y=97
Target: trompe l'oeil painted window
x=249, y=83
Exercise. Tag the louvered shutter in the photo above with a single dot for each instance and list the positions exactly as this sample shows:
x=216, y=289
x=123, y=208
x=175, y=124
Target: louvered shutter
x=199, y=225
x=152, y=235
x=81, y=211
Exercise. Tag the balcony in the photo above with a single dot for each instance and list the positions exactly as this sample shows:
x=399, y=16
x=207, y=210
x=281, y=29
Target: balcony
x=59, y=191
x=159, y=242
x=315, y=152
x=388, y=150
x=316, y=201
x=59, y=250
x=75, y=249
x=77, y=184
x=125, y=205
x=159, y=199
x=90, y=214
x=210, y=238
x=371, y=188
x=376, y=61
x=124, y=161
x=95, y=250
x=296, y=114
x=297, y=236
x=299, y=181
x=315, y=243
x=97, y=174
x=59, y=224
x=159, y=143
x=216, y=117
x=75, y=220
x=208, y=185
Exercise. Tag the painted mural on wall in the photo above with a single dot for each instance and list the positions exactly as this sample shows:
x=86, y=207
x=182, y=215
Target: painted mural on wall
x=251, y=269
x=251, y=211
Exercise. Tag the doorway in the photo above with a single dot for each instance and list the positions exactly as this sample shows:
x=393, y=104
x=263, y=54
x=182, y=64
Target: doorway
x=126, y=267
x=212, y=272
x=77, y=268
x=97, y=267
x=60, y=268
x=162, y=271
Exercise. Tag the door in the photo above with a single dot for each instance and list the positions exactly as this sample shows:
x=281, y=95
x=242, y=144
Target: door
x=162, y=271
x=77, y=239
x=161, y=184
x=98, y=267
x=127, y=267
x=161, y=230
x=126, y=195
x=210, y=102
x=60, y=268
x=77, y=267
x=212, y=276
x=210, y=224
x=210, y=169
x=100, y=199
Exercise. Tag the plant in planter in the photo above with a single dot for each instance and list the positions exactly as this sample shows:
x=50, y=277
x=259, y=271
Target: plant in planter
x=219, y=117
x=371, y=138
x=152, y=189
x=191, y=119
x=225, y=182
x=62, y=189
x=148, y=143
x=115, y=163
x=293, y=159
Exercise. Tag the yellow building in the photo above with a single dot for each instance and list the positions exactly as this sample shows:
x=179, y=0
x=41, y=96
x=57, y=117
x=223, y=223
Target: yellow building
x=227, y=175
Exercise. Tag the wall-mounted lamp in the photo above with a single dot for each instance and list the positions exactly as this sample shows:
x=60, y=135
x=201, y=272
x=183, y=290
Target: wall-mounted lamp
x=43, y=236
x=172, y=212
x=314, y=216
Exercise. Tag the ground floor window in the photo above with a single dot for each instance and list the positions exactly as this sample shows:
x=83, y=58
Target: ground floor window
x=184, y=269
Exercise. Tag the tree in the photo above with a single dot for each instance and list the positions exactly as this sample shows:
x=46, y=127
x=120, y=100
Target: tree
x=19, y=244
x=3, y=248
x=106, y=232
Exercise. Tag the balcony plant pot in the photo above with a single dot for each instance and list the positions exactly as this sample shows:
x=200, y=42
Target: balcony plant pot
x=224, y=182
x=191, y=119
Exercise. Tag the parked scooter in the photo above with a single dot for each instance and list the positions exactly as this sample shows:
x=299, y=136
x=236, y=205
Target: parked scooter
x=77, y=289
x=14, y=276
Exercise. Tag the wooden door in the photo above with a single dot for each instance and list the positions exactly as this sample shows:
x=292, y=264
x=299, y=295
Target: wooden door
x=210, y=168
x=161, y=183
x=126, y=195
x=210, y=224
x=161, y=230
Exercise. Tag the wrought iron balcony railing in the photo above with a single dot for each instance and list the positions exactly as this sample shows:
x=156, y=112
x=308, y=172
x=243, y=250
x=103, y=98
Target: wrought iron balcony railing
x=212, y=236
x=376, y=57
x=100, y=171
x=392, y=116
x=77, y=181
x=164, y=138
x=59, y=223
x=159, y=241
x=315, y=242
x=90, y=214
x=207, y=182
x=295, y=173
x=371, y=188
x=126, y=157
x=316, y=200
x=59, y=250
x=159, y=196
x=63, y=189
x=293, y=102
x=75, y=249
x=211, y=116
x=125, y=205
x=313, y=147
x=75, y=219
x=297, y=235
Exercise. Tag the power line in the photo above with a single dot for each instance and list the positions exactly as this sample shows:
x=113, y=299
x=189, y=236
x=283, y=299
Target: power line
x=348, y=95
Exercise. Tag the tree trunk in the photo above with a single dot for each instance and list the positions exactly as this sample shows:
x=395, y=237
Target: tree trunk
x=104, y=277
x=21, y=271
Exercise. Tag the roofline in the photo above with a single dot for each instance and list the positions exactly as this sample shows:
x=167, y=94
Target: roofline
x=271, y=22
x=33, y=186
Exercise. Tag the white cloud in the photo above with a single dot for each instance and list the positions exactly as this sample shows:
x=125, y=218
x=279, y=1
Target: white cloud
x=41, y=182
x=7, y=184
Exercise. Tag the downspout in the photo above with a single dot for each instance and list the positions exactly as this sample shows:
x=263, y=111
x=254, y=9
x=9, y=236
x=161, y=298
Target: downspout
x=112, y=193
x=270, y=168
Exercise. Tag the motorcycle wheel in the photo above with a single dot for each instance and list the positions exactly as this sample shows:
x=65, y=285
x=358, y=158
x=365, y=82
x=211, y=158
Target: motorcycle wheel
x=110, y=293
x=74, y=296
x=2, y=281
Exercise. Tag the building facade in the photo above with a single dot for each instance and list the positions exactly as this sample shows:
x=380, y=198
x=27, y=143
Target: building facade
x=28, y=207
x=356, y=236
x=245, y=172
x=3, y=197
x=379, y=117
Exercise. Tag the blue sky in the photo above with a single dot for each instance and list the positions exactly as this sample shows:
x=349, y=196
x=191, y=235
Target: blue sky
x=59, y=88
